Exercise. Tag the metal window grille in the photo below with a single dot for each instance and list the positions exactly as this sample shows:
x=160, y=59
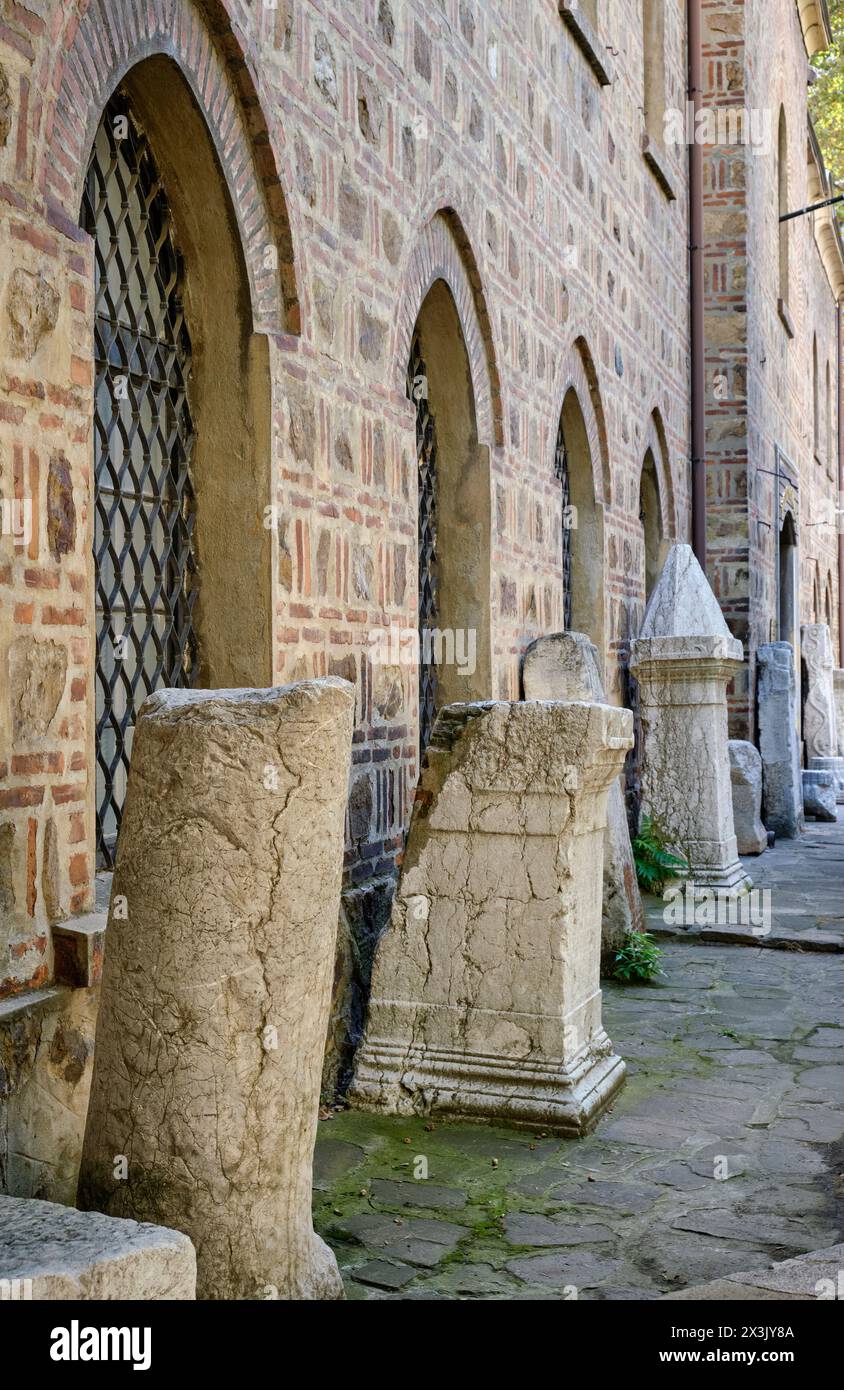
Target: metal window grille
x=426, y=455
x=561, y=471
x=144, y=505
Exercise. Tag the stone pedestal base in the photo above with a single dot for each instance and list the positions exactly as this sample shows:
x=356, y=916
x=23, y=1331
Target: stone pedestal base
x=486, y=1000
x=819, y=795
x=836, y=767
x=566, y=1098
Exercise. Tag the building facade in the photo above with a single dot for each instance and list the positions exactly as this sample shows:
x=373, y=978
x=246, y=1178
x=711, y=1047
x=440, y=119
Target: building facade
x=772, y=332
x=326, y=326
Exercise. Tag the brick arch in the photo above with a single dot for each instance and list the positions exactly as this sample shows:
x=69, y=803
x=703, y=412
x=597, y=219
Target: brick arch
x=656, y=441
x=577, y=373
x=443, y=252
x=101, y=42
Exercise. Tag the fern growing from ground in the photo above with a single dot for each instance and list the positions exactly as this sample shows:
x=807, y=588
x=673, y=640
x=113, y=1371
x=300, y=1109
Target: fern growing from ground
x=655, y=864
x=639, y=958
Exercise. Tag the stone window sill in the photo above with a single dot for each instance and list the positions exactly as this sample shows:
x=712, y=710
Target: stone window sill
x=785, y=316
x=587, y=40
x=657, y=161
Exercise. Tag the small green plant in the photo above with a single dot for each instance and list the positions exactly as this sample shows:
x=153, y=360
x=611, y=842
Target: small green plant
x=638, y=959
x=655, y=864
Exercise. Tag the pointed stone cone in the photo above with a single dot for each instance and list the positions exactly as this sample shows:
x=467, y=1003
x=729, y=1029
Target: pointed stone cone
x=564, y=666
x=217, y=979
x=683, y=661
x=486, y=997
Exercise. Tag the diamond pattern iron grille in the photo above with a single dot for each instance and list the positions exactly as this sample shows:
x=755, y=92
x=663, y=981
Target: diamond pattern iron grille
x=144, y=506
x=426, y=454
x=561, y=471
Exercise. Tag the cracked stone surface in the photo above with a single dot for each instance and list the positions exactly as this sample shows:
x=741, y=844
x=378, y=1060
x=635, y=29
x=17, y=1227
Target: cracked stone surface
x=722, y=1156
x=683, y=661
x=486, y=995
x=71, y=1254
x=804, y=878
x=564, y=666
x=217, y=978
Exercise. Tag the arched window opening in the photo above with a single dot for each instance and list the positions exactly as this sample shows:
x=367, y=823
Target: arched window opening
x=816, y=402
x=788, y=583
x=453, y=530
x=653, y=16
x=582, y=550
x=650, y=516
x=783, y=207
x=181, y=423
x=829, y=417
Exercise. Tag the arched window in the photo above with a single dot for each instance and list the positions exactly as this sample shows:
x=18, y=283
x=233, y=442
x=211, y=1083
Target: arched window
x=182, y=420
x=816, y=402
x=453, y=515
x=653, y=17
x=144, y=502
x=788, y=582
x=582, y=531
x=783, y=207
x=650, y=516
x=830, y=453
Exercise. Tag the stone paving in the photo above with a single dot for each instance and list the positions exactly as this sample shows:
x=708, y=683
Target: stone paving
x=806, y=880
x=722, y=1153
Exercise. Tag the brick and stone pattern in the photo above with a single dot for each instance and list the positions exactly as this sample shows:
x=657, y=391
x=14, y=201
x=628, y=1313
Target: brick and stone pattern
x=762, y=453
x=367, y=151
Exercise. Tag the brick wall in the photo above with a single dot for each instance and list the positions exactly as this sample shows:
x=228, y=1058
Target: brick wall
x=368, y=148
x=759, y=370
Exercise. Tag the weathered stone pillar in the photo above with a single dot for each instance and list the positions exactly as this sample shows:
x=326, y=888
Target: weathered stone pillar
x=564, y=666
x=838, y=688
x=820, y=794
x=820, y=732
x=486, y=997
x=683, y=660
x=217, y=977
x=746, y=778
x=779, y=745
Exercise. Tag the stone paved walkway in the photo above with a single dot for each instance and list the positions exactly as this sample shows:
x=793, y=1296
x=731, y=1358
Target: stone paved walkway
x=723, y=1152
x=806, y=881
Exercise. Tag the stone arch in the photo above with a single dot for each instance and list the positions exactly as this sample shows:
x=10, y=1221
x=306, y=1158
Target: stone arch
x=455, y=510
x=223, y=450
x=443, y=252
x=581, y=432
x=656, y=442
x=100, y=44
x=577, y=373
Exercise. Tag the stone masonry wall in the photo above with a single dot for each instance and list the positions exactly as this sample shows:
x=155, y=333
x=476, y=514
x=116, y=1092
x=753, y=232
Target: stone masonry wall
x=759, y=376
x=368, y=148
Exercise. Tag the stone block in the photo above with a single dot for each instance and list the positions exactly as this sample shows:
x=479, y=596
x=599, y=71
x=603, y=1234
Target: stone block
x=683, y=661
x=836, y=767
x=486, y=999
x=48, y=1251
x=217, y=981
x=564, y=666
x=746, y=778
x=78, y=946
x=838, y=690
x=820, y=794
x=779, y=745
x=820, y=734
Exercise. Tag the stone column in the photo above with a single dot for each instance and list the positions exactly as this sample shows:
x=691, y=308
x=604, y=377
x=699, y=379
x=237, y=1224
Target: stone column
x=820, y=732
x=683, y=660
x=564, y=666
x=838, y=687
x=216, y=983
x=486, y=997
x=779, y=745
x=746, y=778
